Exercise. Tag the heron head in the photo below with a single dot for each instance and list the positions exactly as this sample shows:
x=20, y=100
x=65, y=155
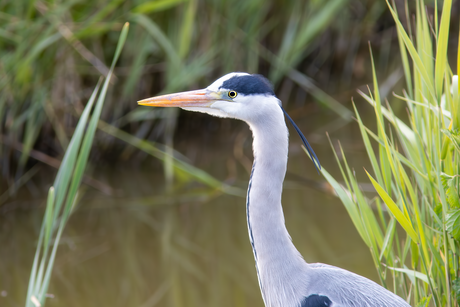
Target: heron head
x=235, y=95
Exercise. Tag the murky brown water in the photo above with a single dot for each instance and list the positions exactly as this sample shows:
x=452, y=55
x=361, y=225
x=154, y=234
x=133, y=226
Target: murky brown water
x=188, y=248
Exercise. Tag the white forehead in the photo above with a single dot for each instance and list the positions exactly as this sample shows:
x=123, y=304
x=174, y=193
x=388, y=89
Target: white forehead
x=218, y=83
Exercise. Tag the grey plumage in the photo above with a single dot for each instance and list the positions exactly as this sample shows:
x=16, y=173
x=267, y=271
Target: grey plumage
x=345, y=288
x=285, y=279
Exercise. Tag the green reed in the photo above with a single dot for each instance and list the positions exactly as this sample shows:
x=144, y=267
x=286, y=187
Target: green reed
x=63, y=195
x=414, y=234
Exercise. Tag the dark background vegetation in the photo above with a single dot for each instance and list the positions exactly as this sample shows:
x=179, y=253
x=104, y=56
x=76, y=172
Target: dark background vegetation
x=52, y=54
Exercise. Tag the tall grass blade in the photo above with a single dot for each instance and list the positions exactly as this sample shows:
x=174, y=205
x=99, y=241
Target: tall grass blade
x=411, y=274
x=441, y=49
x=397, y=213
x=349, y=205
x=73, y=165
x=187, y=28
x=418, y=63
x=156, y=6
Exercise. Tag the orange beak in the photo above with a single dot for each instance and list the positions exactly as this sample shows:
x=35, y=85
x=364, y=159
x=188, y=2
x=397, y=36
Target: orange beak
x=198, y=98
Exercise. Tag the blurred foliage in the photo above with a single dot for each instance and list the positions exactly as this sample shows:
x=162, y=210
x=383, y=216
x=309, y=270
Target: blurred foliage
x=52, y=53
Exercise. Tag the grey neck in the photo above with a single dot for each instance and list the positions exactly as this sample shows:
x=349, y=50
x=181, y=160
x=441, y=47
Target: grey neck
x=278, y=262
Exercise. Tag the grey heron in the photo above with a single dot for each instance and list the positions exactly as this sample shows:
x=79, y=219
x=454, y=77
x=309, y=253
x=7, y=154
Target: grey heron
x=285, y=279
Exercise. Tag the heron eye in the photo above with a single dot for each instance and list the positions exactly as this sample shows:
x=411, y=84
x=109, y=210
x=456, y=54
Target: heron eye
x=232, y=94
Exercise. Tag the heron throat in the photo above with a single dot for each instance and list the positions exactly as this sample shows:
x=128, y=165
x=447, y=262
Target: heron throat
x=277, y=259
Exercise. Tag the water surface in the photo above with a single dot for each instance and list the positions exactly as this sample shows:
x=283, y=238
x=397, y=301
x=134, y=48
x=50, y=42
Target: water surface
x=185, y=246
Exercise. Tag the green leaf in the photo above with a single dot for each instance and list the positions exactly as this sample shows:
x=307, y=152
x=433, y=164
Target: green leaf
x=406, y=64
x=397, y=213
x=453, y=223
x=452, y=193
x=441, y=49
x=411, y=274
x=156, y=6
x=368, y=145
x=72, y=164
x=49, y=215
x=386, y=247
x=456, y=289
x=424, y=302
x=88, y=139
x=62, y=180
x=159, y=36
x=450, y=184
x=454, y=137
x=24, y=70
x=406, y=131
x=418, y=62
x=187, y=29
x=349, y=205
x=300, y=32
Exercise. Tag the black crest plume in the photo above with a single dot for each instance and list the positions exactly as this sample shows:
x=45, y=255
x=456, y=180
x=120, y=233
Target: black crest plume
x=312, y=154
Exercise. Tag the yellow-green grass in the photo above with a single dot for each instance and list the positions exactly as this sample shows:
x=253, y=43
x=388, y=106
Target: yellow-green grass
x=415, y=170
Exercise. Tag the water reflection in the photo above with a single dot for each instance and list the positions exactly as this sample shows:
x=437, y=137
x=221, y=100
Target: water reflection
x=189, y=248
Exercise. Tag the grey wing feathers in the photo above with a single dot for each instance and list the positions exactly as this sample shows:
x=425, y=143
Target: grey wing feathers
x=347, y=289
